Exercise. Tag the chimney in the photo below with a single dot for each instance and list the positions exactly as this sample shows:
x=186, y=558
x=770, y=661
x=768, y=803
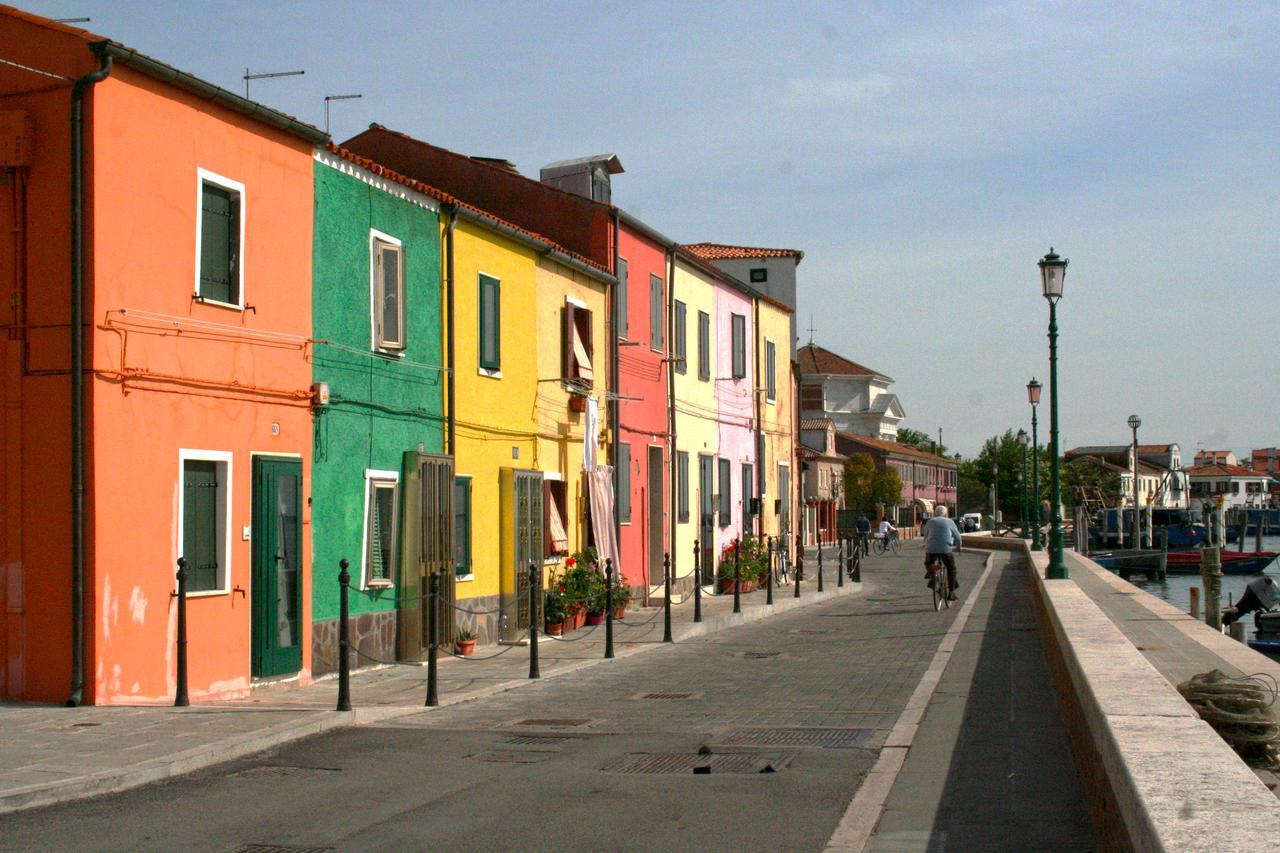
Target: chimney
x=585, y=176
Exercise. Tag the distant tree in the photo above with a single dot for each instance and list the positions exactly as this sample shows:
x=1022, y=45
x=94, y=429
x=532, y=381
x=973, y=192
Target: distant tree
x=1088, y=475
x=865, y=488
x=1001, y=453
x=971, y=495
x=920, y=441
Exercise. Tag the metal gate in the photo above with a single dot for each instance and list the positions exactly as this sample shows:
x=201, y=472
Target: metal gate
x=521, y=532
x=427, y=549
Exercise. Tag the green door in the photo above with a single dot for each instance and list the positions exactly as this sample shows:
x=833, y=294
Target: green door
x=277, y=566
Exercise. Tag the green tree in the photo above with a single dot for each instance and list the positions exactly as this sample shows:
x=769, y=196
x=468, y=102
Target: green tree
x=1002, y=454
x=1090, y=476
x=865, y=488
x=920, y=441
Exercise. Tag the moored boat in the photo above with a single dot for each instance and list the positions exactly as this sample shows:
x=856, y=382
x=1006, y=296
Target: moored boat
x=1185, y=562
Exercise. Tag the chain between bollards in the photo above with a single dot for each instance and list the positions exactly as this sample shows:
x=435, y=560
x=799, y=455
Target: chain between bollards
x=180, y=699
x=697, y=583
x=608, y=608
x=344, y=638
x=819, y=564
x=535, y=595
x=737, y=578
x=666, y=599
x=433, y=639
x=768, y=580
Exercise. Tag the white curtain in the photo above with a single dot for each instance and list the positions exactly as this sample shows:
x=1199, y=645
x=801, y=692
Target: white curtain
x=600, y=487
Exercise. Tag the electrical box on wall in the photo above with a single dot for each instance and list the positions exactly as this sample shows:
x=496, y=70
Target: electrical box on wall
x=17, y=138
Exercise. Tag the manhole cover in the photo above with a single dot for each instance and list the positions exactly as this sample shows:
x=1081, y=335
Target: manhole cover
x=84, y=725
x=511, y=756
x=279, y=848
x=690, y=762
x=539, y=740
x=668, y=695
x=821, y=738
x=760, y=655
x=275, y=771
x=552, y=722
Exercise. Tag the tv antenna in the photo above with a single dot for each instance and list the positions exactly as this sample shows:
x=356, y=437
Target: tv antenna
x=266, y=76
x=328, y=98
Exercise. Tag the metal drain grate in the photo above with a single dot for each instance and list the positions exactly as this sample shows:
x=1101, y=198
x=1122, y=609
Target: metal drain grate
x=820, y=738
x=668, y=695
x=512, y=756
x=760, y=655
x=668, y=763
x=552, y=722
x=280, y=848
x=539, y=740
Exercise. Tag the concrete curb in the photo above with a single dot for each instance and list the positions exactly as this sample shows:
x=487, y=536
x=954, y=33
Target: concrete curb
x=319, y=722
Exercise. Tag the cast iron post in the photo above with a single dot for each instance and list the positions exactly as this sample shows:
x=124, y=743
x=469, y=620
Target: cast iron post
x=535, y=595
x=180, y=699
x=1057, y=563
x=608, y=608
x=819, y=565
x=344, y=638
x=768, y=549
x=666, y=598
x=433, y=629
x=737, y=597
x=1035, y=480
x=697, y=583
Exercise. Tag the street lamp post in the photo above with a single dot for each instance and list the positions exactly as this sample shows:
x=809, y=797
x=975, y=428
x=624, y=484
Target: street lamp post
x=1023, y=440
x=1053, y=270
x=1136, y=527
x=1033, y=395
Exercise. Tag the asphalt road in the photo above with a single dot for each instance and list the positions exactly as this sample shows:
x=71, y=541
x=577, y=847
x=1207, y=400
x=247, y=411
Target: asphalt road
x=792, y=709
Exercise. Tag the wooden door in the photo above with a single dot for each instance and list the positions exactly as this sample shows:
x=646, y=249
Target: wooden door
x=277, y=566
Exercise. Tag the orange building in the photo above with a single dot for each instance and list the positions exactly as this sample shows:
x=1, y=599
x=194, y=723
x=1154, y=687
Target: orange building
x=191, y=217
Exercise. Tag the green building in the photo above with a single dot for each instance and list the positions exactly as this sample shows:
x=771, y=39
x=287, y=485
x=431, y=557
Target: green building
x=377, y=356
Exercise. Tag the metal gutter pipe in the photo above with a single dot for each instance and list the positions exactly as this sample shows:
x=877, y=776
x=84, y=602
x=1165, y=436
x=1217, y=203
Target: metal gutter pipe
x=77, y=377
x=615, y=407
x=757, y=394
x=451, y=421
x=672, y=464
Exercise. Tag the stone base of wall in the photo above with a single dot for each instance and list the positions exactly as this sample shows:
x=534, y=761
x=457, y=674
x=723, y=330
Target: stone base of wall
x=481, y=622
x=373, y=634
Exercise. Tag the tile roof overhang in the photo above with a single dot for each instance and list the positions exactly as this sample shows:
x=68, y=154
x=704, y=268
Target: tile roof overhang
x=724, y=251
x=816, y=359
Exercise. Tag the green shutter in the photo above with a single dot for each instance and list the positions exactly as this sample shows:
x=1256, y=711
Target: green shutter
x=682, y=475
x=739, y=332
x=726, y=492
x=620, y=300
x=624, y=482
x=200, y=524
x=490, y=323
x=770, y=366
x=680, y=345
x=219, y=244
x=462, y=525
x=704, y=346
x=655, y=312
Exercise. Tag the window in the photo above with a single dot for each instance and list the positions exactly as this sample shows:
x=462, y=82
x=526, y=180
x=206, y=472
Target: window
x=682, y=486
x=655, y=312
x=220, y=240
x=759, y=275
x=706, y=488
x=811, y=397
x=380, y=527
x=748, y=491
x=620, y=300
x=462, y=527
x=555, y=505
x=624, y=483
x=576, y=345
x=739, y=330
x=202, y=515
x=387, y=260
x=726, y=492
x=680, y=346
x=770, y=371
x=490, y=323
x=704, y=346
x=784, y=499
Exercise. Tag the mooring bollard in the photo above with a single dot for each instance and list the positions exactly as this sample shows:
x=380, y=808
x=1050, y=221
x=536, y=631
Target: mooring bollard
x=608, y=608
x=768, y=594
x=1237, y=631
x=840, y=545
x=819, y=565
x=433, y=638
x=535, y=617
x=737, y=578
x=666, y=598
x=344, y=638
x=1195, y=603
x=180, y=699
x=697, y=583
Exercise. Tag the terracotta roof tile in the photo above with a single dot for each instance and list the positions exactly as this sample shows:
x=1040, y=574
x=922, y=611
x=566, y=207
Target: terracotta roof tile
x=884, y=445
x=816, y=359
x=1222, y=470
x=722, y=251
x=815, y=423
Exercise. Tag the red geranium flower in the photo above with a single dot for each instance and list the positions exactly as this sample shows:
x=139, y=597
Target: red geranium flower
x=569, y=561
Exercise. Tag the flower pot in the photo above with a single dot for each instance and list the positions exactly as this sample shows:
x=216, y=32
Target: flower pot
x=579, y=617
x=595, y=618
x=620, y=611
x=555, y=629
x=466, y=647
x=726, y=585
x=749, y=585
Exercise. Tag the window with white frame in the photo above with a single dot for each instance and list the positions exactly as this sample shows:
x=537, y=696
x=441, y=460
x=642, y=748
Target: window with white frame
x=555, y=515
x=381, y=502
x=203, y=513
x=770, y=371
x=219, y=240
x=386, y=259
x=576, y=346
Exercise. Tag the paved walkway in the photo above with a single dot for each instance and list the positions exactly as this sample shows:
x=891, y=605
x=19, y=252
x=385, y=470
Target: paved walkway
x=50, y=753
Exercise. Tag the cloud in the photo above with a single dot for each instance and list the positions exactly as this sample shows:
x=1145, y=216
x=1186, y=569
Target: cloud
x=806, y=93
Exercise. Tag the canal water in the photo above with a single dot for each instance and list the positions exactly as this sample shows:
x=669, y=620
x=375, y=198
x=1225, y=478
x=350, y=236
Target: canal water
x=1177, y=588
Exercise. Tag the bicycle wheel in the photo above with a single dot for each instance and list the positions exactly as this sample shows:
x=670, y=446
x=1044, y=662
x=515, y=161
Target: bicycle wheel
x=936, y=583
x=878, y=547
x=895, y=545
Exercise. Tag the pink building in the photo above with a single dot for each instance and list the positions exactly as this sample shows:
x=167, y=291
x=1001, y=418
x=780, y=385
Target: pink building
x=735, y=408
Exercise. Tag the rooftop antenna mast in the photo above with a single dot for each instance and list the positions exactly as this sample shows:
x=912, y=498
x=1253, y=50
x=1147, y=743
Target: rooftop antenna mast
x=266, y=76
x=811, y=329
x=328, y=98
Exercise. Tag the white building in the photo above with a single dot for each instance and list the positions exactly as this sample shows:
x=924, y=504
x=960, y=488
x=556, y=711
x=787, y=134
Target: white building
x=855, y=398
x=1235, y=485
x=1162, y=481
x=771, y=271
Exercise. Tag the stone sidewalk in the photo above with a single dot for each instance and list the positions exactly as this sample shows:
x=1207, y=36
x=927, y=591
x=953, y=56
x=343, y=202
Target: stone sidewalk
x=50, y=754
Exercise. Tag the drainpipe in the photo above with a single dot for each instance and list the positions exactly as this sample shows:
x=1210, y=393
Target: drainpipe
x=615, y=404
x=671, y=404
x=451, y=420
x=77, y=378
x=757, y=392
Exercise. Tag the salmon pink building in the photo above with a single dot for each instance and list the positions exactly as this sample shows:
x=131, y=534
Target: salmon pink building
x=155, y=377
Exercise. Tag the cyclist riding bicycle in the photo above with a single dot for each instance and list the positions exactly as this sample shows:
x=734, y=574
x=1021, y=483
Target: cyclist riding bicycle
x=941, y=538
x=864, y=533
x=886, y=530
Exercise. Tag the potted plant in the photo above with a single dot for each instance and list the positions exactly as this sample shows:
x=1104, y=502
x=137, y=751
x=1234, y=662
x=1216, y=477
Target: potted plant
x=553, y=611
x=621, y=596
x=465, y=641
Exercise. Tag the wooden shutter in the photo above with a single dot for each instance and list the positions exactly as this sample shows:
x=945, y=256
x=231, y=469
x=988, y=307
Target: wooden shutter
x=682, y=475
x=490, y=323
x=219, y=244
x=568, y=359
x=770, y=367
x=655, y=312
x=739, y=332
x=704, y=346
x=620, y=300
x=389, y=295
x=680, y=346
x=624, y=482
x=200, y=524
x=726, y=492
x=462, y=525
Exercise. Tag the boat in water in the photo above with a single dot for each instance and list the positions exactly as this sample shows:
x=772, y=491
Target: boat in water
x=1185, y=562
x=1110, y=527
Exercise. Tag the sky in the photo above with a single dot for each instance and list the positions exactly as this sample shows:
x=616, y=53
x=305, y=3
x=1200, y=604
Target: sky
x=923, y=156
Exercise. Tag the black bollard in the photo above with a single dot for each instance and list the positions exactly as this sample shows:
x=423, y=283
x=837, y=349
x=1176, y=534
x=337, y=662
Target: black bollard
x=856, y=572
x=535, y=595
x=666, y=599
x=768, y=590
x=433, y=638
x=608, y=608
x=841, y=543
x=737, y=578
x=819, y=565
x=180, y=699
x=799, y=568
x=697, y=584
x=344, y=638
